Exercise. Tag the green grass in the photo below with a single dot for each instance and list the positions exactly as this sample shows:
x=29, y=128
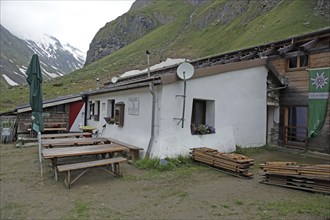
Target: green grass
x=254, y=150
x=171, y=163
x=316, y=206
x=80, y=211
x=176, y=168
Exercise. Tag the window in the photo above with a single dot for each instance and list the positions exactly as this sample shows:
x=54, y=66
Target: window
x=60, y=108
x=91, y=109
x=110, y=108
x=198, y=112
x=298, y=62
x=295, y=124
x=97, y=111
x=202, y=117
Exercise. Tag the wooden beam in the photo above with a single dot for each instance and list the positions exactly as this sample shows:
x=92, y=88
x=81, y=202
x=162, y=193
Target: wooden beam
x=248, y=56
x=267, y=52
x=233, y=59
x=309, y=44
x=294, y=54
x=285, y=49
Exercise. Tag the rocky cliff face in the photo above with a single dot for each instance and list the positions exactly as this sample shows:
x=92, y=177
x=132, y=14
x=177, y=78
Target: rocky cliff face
x=129, y=27
x=119, y=33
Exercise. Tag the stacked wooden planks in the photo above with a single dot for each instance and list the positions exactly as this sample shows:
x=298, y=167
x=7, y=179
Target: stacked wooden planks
x=235, y=164
x=315, y=178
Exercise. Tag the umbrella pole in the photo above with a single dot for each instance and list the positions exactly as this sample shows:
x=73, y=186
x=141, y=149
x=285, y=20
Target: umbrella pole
x=39, y=146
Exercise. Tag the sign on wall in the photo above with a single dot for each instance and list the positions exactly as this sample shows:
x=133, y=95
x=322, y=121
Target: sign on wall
x=133, y=106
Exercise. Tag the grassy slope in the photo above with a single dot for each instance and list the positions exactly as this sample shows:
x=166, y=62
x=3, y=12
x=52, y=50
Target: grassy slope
x=290, y=18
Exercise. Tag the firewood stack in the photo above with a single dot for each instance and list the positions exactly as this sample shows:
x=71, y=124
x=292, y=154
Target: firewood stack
x=235, y=164
x=315, y=178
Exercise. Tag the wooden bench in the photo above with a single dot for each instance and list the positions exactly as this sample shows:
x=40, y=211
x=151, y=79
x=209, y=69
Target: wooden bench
x=52, y=129
x=65, y=135
x=50, y=126
x=113, y=164
x=133, y=150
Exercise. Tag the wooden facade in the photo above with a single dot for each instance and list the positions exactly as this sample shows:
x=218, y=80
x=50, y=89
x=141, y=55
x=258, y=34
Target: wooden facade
x=51, y=115
x=62, y=114
x=294, y=98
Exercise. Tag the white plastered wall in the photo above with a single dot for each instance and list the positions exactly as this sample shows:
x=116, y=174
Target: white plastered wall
x=137, y=128
x=239, y=113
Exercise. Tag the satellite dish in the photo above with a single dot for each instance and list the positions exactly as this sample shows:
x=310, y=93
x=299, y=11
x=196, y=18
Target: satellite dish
x=114, y=79
x=185, y=71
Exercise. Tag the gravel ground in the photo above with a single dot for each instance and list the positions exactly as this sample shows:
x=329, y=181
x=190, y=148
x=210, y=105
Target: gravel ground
x=196, y=192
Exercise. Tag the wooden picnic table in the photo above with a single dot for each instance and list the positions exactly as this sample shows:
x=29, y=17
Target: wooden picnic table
x=64, y=135
x=54, y=153
x=58, y=127
x=73, y=142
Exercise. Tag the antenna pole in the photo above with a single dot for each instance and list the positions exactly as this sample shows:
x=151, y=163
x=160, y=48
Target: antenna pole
x=148, y=62
x=184, y=97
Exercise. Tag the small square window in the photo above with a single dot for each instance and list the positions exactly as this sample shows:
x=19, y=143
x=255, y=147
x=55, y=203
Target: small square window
x=298, y=62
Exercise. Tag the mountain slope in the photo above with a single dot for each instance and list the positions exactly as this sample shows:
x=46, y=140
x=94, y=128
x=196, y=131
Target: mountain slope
x=56, y=59
x=183, y=29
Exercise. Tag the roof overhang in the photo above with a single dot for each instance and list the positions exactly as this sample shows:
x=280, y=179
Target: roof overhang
x=132, y=85
x=223, y=68
x=50, y=104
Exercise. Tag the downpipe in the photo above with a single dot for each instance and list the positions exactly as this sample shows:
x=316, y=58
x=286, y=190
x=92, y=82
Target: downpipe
x=152, y=135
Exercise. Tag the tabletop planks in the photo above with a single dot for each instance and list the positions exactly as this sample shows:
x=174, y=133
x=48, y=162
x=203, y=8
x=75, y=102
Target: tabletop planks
x=81, y=151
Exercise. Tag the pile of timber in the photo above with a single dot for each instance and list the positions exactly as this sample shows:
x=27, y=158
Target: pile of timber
x=235, y=164
x=315, y=178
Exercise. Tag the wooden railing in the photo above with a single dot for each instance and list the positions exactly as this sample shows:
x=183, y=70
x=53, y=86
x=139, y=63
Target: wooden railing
x=295, y=134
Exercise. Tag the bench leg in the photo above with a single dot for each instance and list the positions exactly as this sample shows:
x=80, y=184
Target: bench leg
x=54, y=167
x=134, y=154
x=113, y=169
x=117, y=169
x=68, y=182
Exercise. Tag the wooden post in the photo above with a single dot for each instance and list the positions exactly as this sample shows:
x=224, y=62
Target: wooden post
x=40, y=149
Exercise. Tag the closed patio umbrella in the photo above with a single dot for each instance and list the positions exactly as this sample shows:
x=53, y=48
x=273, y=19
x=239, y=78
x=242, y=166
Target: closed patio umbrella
x=34, y=78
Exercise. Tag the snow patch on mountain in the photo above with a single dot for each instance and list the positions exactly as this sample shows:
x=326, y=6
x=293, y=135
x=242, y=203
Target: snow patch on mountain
x=56, y=58
x=9, y=81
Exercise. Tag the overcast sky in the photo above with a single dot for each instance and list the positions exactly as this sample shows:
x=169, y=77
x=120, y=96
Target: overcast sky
x=75, y=22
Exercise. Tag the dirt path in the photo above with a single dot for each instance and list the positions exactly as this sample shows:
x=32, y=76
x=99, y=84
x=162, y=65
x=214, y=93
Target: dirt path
x=195, y=192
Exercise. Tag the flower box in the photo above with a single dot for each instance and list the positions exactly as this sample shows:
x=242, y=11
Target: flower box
x=109, y=120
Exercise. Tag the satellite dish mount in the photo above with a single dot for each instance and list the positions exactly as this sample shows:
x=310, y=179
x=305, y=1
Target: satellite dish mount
x=184, y=71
